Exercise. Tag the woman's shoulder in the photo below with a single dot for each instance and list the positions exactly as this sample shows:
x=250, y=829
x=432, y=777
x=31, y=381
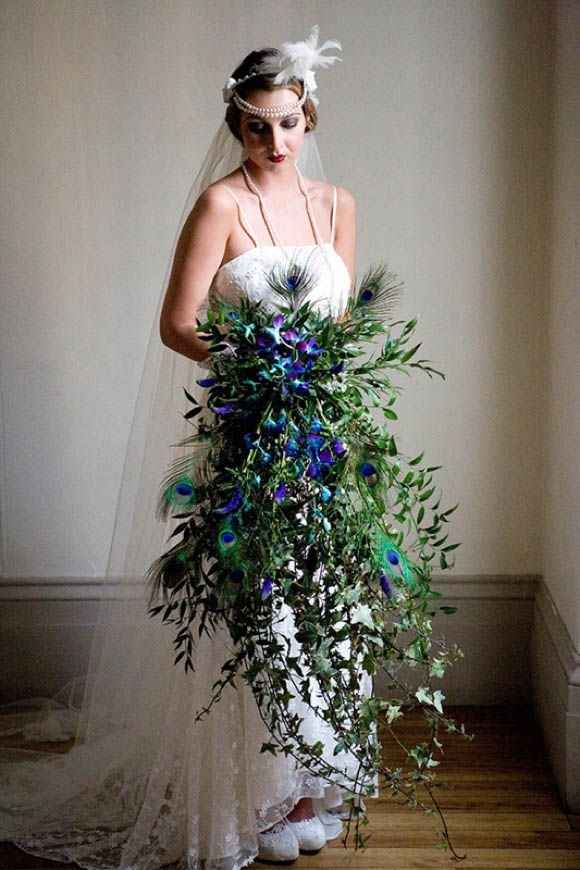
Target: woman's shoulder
x=325, y=190
x=216, y=196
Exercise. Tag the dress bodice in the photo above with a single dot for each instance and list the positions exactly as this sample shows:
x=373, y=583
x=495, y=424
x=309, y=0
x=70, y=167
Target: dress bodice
x=246, y=274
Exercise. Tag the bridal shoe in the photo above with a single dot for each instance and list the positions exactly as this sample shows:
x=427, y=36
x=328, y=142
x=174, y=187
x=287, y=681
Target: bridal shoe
x=310, y=834
x=332, y=822
x=280, y=845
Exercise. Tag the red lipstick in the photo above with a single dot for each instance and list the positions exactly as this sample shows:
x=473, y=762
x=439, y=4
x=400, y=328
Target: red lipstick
x=277, y=159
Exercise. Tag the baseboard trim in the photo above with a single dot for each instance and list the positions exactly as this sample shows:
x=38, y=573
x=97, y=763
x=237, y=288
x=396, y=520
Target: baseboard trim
x=507, y=587
x=555, y=670
x=568, y=656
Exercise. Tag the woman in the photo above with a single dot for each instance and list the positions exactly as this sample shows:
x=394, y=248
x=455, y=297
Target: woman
x=240, y=225
x=145, y=785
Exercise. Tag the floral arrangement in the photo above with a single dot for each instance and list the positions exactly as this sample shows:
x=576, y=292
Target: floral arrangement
x=290, y=494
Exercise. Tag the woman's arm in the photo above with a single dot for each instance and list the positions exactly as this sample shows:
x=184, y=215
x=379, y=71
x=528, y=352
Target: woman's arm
x=198, y=255
x=345, y=230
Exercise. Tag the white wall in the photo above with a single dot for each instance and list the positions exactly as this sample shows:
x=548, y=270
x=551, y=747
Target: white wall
x=561, y=566
x=438, y=119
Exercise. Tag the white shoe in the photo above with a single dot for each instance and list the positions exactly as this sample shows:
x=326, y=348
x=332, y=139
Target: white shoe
x=280, y=845
x=332, y=823
x=310, y=834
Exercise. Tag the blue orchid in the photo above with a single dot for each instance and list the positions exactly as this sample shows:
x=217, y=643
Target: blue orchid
x=232, y=504
x=222, y=410
x=385, y=585
x=280, y=493
x=266, y=589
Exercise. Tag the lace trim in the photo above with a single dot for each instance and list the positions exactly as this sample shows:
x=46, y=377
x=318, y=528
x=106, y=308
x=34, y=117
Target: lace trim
x=104, y=848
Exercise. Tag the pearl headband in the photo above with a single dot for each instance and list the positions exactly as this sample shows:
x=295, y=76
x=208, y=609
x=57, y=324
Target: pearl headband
x=296, y=60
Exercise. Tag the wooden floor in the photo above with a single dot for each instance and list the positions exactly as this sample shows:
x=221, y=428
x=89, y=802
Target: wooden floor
x=501, y=807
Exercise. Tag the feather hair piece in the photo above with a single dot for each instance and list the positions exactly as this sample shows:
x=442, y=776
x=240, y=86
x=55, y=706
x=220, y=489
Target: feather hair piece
x=297, y=60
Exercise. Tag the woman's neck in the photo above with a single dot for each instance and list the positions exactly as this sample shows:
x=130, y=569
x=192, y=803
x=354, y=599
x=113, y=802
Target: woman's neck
x=282, y=181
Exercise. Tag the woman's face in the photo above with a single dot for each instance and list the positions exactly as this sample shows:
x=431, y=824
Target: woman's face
x=264, y=138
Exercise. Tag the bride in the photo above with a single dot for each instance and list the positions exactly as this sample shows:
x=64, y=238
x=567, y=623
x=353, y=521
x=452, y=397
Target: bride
x=144, y=785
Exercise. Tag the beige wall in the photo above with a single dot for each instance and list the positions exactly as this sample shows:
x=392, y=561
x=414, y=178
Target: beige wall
x=438, y=119
x=561, y=406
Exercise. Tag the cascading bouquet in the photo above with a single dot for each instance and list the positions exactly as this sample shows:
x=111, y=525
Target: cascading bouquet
x=302, y=501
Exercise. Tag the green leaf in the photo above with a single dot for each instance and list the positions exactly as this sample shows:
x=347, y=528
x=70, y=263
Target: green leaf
x=190, y=397
x=427, y=494
x=410, y=353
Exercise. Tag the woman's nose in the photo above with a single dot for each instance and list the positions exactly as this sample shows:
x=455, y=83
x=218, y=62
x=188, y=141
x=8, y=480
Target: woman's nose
x=277, y=137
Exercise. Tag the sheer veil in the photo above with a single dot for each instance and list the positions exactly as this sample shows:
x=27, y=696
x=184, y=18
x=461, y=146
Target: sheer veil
x=121, y=712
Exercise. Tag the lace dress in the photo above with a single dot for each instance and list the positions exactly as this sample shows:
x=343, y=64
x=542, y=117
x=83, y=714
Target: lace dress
x=195, y=795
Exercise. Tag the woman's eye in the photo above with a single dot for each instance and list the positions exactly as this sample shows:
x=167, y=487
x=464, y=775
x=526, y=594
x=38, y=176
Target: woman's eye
x=261, y=129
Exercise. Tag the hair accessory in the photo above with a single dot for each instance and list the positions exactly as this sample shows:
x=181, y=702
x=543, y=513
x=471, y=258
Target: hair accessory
x=297, y=60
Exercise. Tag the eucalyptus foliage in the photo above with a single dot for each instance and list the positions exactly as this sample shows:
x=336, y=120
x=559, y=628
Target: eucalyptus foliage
x=291, y=493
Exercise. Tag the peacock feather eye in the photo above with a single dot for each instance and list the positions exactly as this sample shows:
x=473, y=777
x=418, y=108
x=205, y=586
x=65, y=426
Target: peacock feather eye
x=227, y=538
x=227, y=542
x=393, y=557
x=181, y=493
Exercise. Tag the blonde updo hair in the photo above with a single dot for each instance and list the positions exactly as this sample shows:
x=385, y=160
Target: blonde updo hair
x=233, y=115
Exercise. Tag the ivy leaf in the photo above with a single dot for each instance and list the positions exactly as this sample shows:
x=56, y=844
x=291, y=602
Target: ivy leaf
x=438, y=697
x=362, y=614
x=423, y=695
x=437, y=668
x=393, y=712
x=434, y=700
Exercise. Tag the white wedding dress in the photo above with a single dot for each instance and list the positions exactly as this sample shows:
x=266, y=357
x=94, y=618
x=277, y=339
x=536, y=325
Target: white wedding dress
x=166, y=790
